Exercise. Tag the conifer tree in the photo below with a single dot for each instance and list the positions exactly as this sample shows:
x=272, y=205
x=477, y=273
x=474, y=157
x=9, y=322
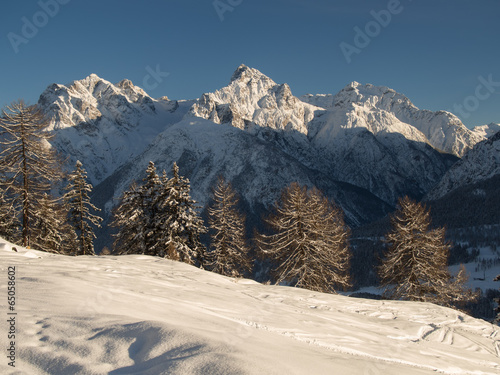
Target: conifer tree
x=229, y=250
x=27, y=161
x=182, y=226
x=129, y=218
x=79, y=205
x=415, y=265
x=310, y=246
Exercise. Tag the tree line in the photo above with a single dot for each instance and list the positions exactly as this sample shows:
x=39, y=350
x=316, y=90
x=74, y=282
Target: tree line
x=31, y=213
x=306, y=244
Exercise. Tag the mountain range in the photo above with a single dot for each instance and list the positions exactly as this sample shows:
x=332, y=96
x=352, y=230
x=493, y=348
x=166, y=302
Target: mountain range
x=364, y=146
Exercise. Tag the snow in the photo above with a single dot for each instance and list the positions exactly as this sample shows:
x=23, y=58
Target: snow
x=137, y=314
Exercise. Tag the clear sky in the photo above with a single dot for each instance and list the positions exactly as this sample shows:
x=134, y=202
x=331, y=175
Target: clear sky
x=442, y=54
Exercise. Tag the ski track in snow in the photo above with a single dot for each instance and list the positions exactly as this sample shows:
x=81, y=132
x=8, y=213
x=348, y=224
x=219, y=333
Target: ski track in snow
x=144, y=315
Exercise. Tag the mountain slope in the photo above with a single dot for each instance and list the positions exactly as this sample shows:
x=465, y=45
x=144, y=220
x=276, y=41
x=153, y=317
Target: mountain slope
x=256, y=168
x=479, y=164
x=145, y=315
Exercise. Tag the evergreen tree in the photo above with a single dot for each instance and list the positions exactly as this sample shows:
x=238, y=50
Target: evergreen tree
x=129, y=218
x=182, y=225
x=229, y=250
x=27, y=161
x=310, y=246
x=79, y=205
x=415, y=265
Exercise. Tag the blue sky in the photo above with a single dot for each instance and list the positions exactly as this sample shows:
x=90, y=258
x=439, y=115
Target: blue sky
x=442, y=54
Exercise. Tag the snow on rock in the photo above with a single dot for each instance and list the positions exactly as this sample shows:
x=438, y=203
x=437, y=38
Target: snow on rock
x=144, y=315
x=479, y=164
x=441, y=129
x=486, y=131
x=253, y=100
x=102, y=124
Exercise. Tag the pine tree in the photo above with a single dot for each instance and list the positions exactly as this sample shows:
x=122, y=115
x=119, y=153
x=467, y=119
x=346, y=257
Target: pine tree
x=129, y=218
x=415, y=265
x=229, y=250
x=310, y=246
x=159, y=218
x=27, y=162
x=79, y=205
x=182, y=226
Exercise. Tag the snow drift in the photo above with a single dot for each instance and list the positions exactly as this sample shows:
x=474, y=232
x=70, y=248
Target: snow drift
x=144, y=315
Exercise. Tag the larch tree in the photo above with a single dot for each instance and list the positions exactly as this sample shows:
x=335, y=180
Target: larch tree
x=229, y=249
x=310, y=244
x=182, y=226
x=415, y=266
x=9, y=223
x=28, y=163
x=50, y=230
x=80, y=209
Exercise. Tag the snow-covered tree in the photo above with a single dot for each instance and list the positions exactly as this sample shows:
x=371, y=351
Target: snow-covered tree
x=310, y=246
x=229, y=249
x=129, y=218
x=27, y=162
x=182, y=226
x=416, y=261
x=159, y=218
x=79, y=206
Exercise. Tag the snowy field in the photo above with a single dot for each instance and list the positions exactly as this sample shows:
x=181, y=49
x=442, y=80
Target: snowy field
x=143, y=315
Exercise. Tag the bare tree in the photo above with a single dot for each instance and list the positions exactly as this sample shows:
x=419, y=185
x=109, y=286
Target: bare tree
x=27, y=161
x=310, y=246
x=229, y=249
x=416, y=262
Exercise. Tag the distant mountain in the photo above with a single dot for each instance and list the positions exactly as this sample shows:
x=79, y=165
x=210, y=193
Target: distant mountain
x=486, y=131
x=104, y=125
x=364, y=147
x=353, y=137
x=443, y=130
x=478, y=165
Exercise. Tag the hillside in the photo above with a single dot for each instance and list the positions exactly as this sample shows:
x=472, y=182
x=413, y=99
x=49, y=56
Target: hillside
x=144, y=315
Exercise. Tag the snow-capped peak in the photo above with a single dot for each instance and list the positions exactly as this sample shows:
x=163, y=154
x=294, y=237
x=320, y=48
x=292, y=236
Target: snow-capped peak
x=251, y=100
x=442, y=129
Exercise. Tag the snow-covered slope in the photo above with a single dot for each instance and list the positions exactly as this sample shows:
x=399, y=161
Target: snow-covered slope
x=104, y=125
x=479, y=164
x=144, y=315
x=257, y=169
x=486, y=131
x=441, y=129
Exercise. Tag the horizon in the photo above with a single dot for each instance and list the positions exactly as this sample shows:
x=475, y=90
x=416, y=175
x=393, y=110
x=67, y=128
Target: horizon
x=439, y=55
